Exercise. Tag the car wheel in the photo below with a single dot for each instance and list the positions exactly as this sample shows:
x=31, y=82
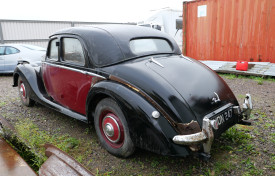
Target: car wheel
x=24, y=91
x=112, y=129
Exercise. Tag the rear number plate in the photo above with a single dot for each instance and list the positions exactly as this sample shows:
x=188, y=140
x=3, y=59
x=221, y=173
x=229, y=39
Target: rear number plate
x=222, y=118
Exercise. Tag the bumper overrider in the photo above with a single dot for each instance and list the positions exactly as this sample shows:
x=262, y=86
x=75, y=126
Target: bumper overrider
x=206, y=136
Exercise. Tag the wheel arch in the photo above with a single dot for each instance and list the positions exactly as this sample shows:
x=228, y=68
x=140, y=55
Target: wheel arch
x=32, y=77
x=146, y=132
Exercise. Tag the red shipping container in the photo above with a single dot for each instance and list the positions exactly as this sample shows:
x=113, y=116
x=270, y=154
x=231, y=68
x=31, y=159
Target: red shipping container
x=229, y=30
x=242, y=65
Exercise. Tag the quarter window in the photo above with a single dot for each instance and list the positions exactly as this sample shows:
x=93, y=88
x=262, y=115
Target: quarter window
x=11, y=50
x=53, y=52
x=72, y=51
x=2, y=50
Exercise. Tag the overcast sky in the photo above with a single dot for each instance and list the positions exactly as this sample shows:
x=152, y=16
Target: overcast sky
x=84, y=10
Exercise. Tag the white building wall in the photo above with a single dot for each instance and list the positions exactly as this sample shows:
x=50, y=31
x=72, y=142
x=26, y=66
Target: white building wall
x=33, y=32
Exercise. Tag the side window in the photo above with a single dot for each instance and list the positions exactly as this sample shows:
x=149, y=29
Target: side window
x=53, y=50
x=2, y=50
x=11, y=50
x=72, y=51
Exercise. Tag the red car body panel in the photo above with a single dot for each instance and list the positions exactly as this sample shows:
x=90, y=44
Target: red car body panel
x=70, y=93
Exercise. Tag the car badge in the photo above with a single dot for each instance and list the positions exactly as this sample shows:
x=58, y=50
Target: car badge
x=214, y=99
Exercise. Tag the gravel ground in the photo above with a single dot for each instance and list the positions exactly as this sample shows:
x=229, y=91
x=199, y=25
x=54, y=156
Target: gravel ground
x=228, y=158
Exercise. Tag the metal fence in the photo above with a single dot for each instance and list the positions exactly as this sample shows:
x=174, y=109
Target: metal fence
x=35, y=32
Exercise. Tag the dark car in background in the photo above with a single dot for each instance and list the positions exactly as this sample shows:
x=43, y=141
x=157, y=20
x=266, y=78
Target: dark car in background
x=134, y=85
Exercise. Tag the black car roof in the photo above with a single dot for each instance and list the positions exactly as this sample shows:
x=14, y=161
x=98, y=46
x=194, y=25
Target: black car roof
x=109, y=43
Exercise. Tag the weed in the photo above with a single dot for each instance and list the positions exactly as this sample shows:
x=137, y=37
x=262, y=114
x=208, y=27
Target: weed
x=270, y=79
x=79, y=158
x=248, y=163
x=241, y=96
x=2, y=103
x=154, y=163
x=163, y=170
x=228, y=76
x=220, y=167
x=252, y=170
x=236, y=136
x=87, y=131
x=259, y=80
x=268, y=125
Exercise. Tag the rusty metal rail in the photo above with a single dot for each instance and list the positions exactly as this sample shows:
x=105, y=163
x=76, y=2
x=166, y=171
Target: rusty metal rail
x=11, y=163
x=58, y=163
x=61, y=164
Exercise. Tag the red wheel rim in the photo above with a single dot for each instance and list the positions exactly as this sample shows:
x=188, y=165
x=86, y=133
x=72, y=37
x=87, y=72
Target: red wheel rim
x=111, y=129
x=22, y=91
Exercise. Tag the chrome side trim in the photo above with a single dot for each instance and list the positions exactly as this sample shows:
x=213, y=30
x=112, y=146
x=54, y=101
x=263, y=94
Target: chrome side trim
x=187, y=58
x=74, y=69
x=155, y=62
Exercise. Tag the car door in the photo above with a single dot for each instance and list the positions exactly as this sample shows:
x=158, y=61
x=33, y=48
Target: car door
x=11, y=58
x=68, y=82
x=2, y=58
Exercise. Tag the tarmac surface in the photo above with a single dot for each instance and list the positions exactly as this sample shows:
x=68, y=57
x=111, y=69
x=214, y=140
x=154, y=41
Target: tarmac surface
x=263, y=69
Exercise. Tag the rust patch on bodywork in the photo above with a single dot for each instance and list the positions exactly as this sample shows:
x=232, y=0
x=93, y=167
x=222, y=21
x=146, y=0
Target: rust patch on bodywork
x=189, y=128
x=96, y=80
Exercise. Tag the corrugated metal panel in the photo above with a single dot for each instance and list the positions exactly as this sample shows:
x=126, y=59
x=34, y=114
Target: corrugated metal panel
x=42, y=44
x=77, y=24
x=18, y=30
x=231, y=30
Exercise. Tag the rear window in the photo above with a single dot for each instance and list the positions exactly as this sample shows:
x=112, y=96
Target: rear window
x=150, y=45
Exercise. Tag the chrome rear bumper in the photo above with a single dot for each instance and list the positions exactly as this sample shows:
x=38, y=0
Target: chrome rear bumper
x=206, y=136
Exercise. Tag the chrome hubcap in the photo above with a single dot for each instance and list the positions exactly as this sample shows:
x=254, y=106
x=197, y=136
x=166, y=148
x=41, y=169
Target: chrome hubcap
x=111, y=129
x=22, y=91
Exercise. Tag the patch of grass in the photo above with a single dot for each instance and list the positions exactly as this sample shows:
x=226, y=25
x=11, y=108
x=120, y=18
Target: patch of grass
x=258, y=79
x=236, y=136
x=220, y=168
x=35, y=138
x=270, y=79
x=154, y=163
x=273, y=139
x=250, y=166
x=241, y=96
x=104, y=174
x=268, y=125
x=2, y=103
x=33, y=160
x=259, y=113
x=228, y=76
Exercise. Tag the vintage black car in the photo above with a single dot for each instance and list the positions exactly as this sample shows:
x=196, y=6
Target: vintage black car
x=136, y=87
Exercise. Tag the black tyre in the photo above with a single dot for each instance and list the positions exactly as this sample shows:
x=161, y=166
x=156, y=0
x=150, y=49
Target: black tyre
x=24, y=92
x=112, y=129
